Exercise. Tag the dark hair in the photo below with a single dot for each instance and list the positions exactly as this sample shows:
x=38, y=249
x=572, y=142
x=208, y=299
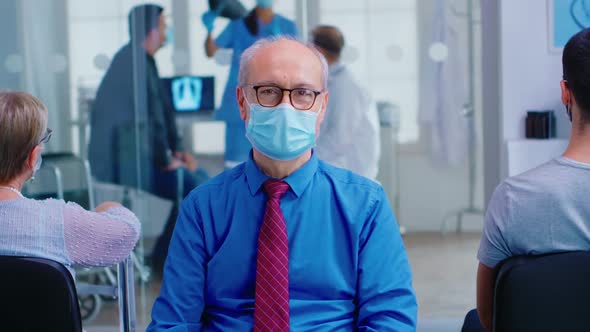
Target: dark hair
x=328, y=38
x=576, y=70
x=143, y=19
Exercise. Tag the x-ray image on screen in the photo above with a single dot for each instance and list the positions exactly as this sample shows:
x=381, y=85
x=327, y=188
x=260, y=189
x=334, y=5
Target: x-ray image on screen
x=186, y=93
x=190, y=93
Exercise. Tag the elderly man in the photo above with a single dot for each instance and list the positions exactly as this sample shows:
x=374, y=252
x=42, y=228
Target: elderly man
x=285, y=241
x=350, y=132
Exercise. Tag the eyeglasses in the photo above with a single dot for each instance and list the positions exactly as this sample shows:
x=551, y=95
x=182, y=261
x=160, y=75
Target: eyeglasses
x=45, y=137
x=271, y=96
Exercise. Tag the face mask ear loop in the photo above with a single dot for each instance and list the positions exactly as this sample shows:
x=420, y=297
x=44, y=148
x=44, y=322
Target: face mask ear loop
x=568, y=105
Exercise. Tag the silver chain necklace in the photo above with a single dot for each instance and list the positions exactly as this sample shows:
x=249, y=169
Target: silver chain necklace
x=13, y=189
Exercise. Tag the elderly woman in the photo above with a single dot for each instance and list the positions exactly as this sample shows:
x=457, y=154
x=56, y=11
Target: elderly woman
x=54, y=229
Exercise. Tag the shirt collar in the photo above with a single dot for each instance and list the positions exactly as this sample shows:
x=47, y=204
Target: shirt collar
x=298, y=181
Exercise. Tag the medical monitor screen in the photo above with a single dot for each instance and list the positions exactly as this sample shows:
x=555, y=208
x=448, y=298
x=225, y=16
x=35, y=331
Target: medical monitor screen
x=191, y=93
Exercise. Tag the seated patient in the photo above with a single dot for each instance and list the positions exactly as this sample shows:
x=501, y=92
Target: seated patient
x=131, y=106
x=285, y=241
x=53, y=229
x=545, y=209
x=130, y=85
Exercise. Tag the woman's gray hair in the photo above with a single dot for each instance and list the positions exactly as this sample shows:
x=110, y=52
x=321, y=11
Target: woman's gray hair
x=23, y=121
x=249, y=53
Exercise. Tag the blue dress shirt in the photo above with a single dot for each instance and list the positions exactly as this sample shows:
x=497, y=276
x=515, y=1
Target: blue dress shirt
x=348, y=268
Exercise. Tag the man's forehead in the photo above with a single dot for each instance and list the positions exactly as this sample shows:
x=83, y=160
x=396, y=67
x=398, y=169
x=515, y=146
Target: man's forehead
x=299, y=73
x=286, y=62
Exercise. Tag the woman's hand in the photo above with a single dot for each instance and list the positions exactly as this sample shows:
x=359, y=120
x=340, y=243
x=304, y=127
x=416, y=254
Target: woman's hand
x=106, y=205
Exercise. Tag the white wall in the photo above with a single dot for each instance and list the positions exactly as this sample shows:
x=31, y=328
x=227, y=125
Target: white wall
x=528, y=75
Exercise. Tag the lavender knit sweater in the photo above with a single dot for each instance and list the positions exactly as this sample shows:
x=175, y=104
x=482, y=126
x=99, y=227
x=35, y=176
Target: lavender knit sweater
x=66, y=233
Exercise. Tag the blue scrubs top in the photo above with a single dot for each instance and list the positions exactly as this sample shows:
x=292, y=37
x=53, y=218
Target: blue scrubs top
x=237, y=37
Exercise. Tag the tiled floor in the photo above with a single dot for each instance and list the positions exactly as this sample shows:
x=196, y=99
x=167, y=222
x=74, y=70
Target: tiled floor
x=444, y=270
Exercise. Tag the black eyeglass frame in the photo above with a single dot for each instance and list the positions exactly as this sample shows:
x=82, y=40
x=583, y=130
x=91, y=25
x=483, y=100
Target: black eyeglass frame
x=315, y=95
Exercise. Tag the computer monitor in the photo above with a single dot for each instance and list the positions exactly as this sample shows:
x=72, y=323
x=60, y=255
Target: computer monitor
x=190, y=94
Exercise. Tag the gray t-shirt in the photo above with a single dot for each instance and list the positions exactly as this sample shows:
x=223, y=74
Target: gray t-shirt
x=546, y=209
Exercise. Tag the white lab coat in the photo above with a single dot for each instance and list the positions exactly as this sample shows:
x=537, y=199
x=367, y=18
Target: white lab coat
x=349, y=136
x=441, y=111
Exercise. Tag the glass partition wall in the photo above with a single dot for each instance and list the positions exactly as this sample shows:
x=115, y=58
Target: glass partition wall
x=67, y=53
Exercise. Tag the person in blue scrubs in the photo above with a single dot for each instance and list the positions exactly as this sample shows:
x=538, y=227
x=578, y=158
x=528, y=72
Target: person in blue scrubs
x=347, y=266
x=261, y=22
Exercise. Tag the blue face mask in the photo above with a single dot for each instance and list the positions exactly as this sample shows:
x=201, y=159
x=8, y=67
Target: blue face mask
x=38, y=164
x=169, y=36
x=36, y=167
x=264, y=3
x=281, y=132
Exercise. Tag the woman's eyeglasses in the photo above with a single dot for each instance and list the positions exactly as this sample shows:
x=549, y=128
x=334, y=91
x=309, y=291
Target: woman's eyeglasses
x=46, y=137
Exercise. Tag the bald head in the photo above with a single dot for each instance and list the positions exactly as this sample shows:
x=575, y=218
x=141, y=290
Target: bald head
x=329, y=40
x=283, y=61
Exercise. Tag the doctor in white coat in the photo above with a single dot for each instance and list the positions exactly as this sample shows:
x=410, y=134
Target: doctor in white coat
x=350, y=131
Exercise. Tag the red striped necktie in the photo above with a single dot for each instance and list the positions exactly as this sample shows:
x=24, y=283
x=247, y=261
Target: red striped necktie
x=271, y=309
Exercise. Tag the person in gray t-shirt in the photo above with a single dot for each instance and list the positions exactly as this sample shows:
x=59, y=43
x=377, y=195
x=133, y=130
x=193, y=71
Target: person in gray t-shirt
x=541, y=211
x=545, y=209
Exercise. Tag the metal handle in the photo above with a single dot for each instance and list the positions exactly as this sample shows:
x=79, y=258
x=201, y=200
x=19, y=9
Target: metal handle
x=127, y=314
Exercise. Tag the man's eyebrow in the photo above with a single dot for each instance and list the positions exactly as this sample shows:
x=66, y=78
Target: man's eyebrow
x=269, y=83
x=294, y=86
x=305, y=85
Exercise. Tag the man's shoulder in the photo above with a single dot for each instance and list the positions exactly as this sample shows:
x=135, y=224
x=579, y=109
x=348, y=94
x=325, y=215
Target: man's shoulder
x=122, y=57
x=537, y=187
x=115, y=82
x=347, y=179
x=286, y=22
x=226, y=180
x=539, y=178
x=284, y=19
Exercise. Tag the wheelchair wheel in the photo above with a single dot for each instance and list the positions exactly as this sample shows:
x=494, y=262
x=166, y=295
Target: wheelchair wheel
x=89, y=306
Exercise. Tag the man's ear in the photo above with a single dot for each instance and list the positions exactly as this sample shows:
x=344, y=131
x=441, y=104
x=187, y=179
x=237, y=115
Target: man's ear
x=321, y=114
x=242, y=103
x=566, y=94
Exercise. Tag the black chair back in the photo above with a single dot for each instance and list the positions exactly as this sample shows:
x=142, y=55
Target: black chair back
x=543, y=293
x=37, y=294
